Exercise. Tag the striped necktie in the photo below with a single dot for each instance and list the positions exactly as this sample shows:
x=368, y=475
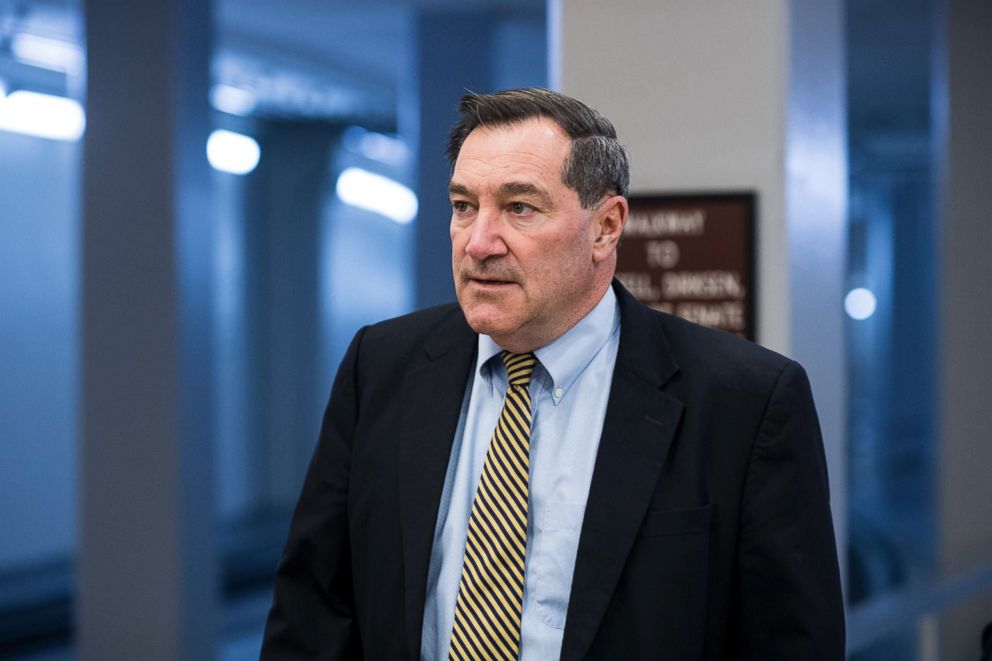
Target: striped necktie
x=490, y=593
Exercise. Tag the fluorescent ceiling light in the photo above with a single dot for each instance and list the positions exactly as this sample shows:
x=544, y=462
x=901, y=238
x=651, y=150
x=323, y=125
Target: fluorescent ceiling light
x=376, y=146
x=232, y=100
x=42, y=115
x=373, y=192
x=53, y=54
x=232, y=152
x=860, y=303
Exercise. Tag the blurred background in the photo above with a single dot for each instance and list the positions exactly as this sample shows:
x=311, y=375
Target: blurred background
x=200, y=203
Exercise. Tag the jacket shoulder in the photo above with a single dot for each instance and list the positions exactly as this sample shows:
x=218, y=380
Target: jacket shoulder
x=401, y=339
x=721, y=357
x=414, y=322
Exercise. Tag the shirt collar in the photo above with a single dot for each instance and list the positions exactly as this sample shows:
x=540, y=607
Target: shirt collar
x=565, y=358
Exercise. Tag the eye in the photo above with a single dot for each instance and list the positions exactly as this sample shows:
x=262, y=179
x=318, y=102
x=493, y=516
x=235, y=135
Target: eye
x=460, y=206
x=520, y=209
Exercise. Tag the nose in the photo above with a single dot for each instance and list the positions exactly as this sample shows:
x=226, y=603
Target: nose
x=485, y=238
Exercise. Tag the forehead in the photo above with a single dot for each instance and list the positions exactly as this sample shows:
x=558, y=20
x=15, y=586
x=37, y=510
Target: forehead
x=533, y=150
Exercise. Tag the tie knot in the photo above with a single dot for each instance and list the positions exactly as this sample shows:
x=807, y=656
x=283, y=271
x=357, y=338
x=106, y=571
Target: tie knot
x=519, y=367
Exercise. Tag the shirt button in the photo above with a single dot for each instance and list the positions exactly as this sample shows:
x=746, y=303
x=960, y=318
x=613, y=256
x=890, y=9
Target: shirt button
x=558, y=393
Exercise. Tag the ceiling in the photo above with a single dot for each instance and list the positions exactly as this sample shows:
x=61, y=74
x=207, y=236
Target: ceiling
x=298, y=58
x=336, y=59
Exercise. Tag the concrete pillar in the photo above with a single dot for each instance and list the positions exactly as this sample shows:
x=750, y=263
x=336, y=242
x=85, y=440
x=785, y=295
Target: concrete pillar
x=287, y=391
x=963, y=128
x=146, y=567
x=452, y=55
x=816, y=225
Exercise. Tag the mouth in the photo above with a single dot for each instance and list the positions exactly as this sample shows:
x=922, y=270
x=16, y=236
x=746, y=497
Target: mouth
x=489, y=283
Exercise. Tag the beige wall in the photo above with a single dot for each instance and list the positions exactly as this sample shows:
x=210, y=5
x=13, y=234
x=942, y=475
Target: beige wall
x=697, y=92
x=720, y=95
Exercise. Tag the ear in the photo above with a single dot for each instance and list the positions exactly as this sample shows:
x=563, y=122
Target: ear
x=608, y=224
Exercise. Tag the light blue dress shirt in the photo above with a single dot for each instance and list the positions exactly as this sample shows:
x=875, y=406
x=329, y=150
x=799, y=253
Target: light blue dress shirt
x=569, y=392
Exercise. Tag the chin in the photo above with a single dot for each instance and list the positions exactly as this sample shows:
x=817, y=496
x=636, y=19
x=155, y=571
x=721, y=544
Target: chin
x=487, y=322
x=493, y=315
x=486, y=326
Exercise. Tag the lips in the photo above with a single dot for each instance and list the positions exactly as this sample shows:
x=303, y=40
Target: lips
x=489, y=285
x=491, y=279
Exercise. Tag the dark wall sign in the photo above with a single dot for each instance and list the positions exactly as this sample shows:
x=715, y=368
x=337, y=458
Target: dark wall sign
x=693, y=256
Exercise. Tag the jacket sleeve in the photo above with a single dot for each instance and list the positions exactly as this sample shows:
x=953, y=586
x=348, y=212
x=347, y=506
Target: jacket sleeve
x=313, y=610
x=791, y=602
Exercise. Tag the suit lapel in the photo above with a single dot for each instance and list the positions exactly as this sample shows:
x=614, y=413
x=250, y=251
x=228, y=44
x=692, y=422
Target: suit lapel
x=433, y=392
x=638, y=429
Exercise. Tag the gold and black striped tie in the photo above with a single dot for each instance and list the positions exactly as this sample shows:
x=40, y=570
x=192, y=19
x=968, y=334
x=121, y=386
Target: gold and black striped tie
x=490, y=593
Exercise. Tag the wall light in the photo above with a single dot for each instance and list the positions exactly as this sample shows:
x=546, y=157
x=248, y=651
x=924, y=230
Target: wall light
x=232, y=152
x=860, y=303
x=42, y=115
x=52, y=54
x=373, y=192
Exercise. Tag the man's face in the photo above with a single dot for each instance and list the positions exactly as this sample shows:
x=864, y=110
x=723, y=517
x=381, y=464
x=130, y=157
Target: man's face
x=522, y=245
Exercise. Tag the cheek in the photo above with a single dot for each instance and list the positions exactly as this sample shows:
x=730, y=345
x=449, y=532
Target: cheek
x=580, y=252
x=458, y=240
x=567, y=255
x=561, y=271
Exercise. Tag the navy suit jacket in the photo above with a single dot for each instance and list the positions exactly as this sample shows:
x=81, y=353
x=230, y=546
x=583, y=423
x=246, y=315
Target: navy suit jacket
x=707, y=533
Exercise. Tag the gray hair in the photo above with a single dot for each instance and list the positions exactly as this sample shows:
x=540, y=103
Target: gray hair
x=597, y=164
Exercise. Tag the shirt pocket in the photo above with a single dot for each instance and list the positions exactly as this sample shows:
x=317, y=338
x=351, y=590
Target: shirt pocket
x=555, y=548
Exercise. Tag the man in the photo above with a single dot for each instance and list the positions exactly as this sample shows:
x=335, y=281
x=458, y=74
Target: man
x=549, y=468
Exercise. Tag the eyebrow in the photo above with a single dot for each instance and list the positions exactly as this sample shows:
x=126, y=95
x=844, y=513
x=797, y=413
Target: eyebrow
x=458, y=189
x=508, y=189
x=521, y=188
